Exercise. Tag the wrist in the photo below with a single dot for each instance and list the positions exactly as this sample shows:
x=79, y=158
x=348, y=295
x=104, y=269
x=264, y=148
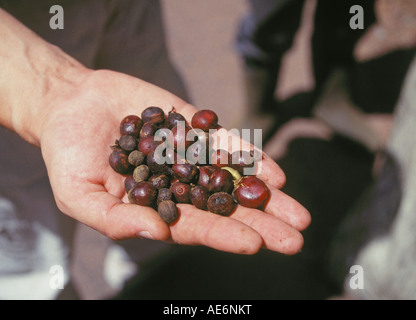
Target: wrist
x=34, y=73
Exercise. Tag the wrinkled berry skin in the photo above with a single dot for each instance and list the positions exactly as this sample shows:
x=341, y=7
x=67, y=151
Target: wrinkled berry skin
x=199, y=197
x=205, y=120
x=251, y=192
x=143, y=193
x=118, y=160
x=221, y=203
x=160, y=181
x=136, y=158
x=164, y=194
x=168, y=211
x=141, y=173
x=131, y=125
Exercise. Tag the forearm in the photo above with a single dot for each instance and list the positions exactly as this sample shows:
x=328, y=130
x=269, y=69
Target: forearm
x=32, y=73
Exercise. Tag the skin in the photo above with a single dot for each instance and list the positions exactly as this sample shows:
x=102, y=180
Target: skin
x=73, y=114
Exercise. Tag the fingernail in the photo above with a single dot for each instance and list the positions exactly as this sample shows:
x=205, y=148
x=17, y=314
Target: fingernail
x=144, y=234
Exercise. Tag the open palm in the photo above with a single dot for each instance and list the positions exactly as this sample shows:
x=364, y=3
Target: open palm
x=75, y=143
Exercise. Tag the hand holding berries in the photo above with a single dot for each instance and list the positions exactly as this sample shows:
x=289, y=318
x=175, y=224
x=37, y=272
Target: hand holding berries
x=75, y=145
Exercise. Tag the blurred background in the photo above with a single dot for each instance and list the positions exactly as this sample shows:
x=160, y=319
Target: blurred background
x=329, y=158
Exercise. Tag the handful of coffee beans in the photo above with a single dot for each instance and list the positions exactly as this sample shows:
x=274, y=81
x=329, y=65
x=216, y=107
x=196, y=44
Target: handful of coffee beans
x=167, y=161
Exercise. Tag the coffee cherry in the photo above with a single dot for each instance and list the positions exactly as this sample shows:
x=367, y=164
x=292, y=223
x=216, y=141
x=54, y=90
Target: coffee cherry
x=129, y=183
x=234, y=172
x=141, y=173
x=205, y=120
x=148, y=129
x=143, y=193
x=251, y=192
x=179, y=134
x=156, y=163
x=153, y=114
x=148, y=144
x=119, y=161
x=168, y=211
x=136, y=158
x=199, y=152
x=127, y=142
x=181, y=192
x=164, y=194
x=221, y=181
x=173, y=118
x=199, y=197
x=131, y=125
x=159, y=181
x=205, y=173
x=185, y=172
x=221, y=203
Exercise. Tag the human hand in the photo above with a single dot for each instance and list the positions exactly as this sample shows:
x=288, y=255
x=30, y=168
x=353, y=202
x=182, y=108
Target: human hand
x=75, y=141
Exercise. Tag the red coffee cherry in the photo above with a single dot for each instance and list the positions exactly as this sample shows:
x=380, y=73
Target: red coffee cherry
x=251, y=192
x=205, y=120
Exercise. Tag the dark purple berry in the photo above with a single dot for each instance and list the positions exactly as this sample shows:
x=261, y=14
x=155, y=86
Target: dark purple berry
x=119, y=161
x=129, y=183
x=199, y=197
x=168, y=211
x=148, y=144
x=221, y=203
x=160, y=181
x=148, y=129
x=131, y=125
x=164, y=194
x=153, y=114
x=221, y=181
x=205, y=173
x=127, y=142
x=143, y=193
x=185, y=172
x=173, y=118
x=156, y=162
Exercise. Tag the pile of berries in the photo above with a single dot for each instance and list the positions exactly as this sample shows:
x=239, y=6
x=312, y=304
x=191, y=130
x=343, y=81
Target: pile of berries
x=167, y=161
